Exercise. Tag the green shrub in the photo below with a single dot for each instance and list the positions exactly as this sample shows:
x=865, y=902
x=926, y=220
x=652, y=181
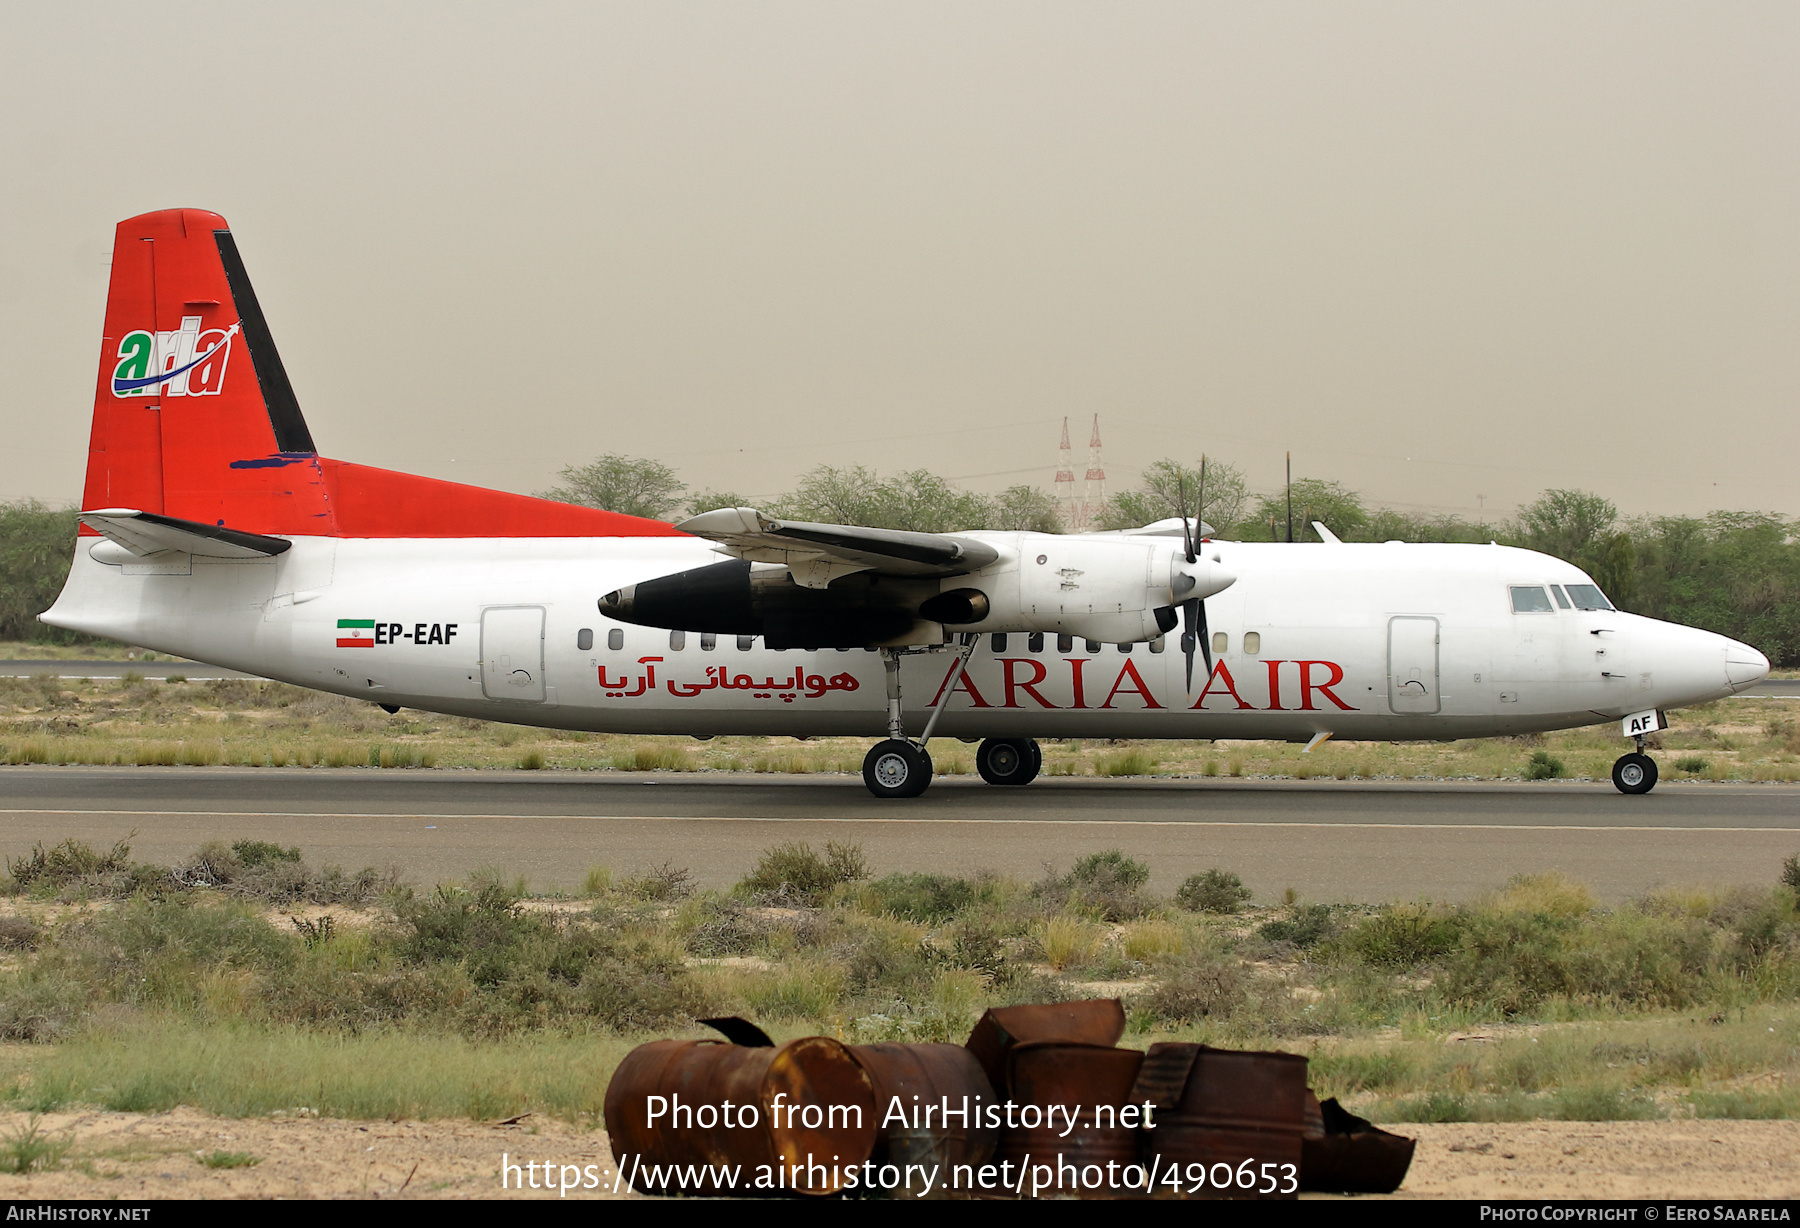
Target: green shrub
x=67, y=863
x=1403, y=937
x=793, y=872
x=229, y=1159
x=1214, y=891
x=1108, y=883
x=1790, y=872
x=1202, y=984
x=930, y=899
x=1304, y=926
x=1543, y=766
x=1694, y=764
x=261, y=853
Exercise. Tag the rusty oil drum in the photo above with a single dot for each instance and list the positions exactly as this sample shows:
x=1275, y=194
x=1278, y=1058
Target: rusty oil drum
x=812, y=1100
x=1095, y=1022
x=1232, y=1106
x=1082, y=1078
x=914, y=1078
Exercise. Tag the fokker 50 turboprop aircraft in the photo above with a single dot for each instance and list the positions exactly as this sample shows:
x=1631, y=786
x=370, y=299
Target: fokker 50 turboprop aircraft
x=213, y=529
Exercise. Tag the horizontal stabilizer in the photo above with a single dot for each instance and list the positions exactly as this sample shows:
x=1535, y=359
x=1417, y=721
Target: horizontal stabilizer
x=819, y=553
x=147, y=533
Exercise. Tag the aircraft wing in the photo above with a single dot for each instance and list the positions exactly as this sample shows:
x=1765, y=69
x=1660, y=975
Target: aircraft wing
x=147, y=533
x=817, y=554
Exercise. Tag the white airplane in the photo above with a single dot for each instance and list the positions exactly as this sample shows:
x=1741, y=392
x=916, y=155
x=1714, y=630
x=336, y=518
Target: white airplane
x=213, y=529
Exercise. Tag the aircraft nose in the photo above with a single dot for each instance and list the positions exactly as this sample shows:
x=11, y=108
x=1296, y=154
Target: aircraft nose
x=1744, y=666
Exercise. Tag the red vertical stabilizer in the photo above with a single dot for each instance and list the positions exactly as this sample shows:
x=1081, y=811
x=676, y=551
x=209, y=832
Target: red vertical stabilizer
x=194, y=416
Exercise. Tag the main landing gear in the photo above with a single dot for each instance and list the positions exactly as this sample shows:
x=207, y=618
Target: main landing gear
x=1635, y=772
x=1009, y=761
x=901, y=767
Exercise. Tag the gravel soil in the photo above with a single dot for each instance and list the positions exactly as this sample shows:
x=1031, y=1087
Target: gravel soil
x=158, y=1155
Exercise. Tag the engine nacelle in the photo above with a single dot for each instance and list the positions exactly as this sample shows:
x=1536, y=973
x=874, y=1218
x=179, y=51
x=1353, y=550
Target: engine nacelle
x=1116, y=589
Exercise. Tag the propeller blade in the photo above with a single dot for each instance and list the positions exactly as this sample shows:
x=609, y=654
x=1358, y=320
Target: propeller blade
x=1200, y=510
x=1187, y=536
x=1193, y=634
x=1205, y=642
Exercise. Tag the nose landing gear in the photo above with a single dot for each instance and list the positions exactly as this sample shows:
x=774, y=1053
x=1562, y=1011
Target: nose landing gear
x=1636, y=772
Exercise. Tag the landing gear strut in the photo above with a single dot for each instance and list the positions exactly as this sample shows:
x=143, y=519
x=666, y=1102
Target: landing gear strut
x=1009, y=761
x=1635, y=772
x=899, y=766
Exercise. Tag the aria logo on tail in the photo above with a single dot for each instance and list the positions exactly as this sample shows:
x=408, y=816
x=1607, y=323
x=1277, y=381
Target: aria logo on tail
x=183, y=363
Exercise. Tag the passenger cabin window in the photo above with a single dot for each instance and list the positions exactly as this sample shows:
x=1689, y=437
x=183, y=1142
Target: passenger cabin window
x=1034, y=642
x=1124, y=647
x=1531, y=599
x=1588, y=597
x=584, y=638
x=708, y=641
x=1221, y=642
x=1562, y=598
x=1156, y=645
x=1252, y=642
x=999, y=641
x=615, y=639
x=677, y=641
x=1065, y=643
x=1093, y=645
x=746, y=642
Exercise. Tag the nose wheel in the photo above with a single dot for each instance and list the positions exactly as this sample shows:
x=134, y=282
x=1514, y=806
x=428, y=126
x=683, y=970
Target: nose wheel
x=1009, y=761
x=1634, y=773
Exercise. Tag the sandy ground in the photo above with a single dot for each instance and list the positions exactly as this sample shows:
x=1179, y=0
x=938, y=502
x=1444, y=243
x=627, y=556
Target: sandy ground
x=136, y=1155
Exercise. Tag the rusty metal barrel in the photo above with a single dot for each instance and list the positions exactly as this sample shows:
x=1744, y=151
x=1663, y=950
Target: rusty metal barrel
x=804, y=1110
x=1223, y=1109
x=932, y=1103
x=1097, y=1022
x=1067, y=1112
x=1344, y=1153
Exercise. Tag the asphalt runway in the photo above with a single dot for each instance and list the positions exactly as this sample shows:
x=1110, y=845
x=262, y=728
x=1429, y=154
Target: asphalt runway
x=1328, y=840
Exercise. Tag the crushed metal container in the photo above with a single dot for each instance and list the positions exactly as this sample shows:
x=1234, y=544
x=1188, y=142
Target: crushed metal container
x=1096, y=1022
x=1343, y=1153
x=1219, y=1108
x=815, y=1112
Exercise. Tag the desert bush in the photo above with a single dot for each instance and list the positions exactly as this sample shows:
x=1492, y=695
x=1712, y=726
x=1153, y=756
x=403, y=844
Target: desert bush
x=1790, y=873
x=1132, y=762
x=1402, y=937
x=1305, y=925
x=1215, y=891
x=928, y=898
x=70, y=862
x=665, y=883
x=1694, y=764
x=1109, y=884
x=1203, y=984
x=1544, y=766
x=795, y=873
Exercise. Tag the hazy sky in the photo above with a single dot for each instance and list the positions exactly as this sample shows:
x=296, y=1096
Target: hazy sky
x=1440, y=250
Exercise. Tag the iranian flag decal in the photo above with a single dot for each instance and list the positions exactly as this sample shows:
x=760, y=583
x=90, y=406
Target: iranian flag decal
x=356, y=633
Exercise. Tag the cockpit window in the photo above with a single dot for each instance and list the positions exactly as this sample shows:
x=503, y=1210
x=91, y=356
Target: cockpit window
x=1562, y=598
x=1589, y=597
x=1531, y=599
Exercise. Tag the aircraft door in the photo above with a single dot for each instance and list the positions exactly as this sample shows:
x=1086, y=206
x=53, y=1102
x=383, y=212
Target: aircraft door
x=1413, y=664
x=512, y=653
